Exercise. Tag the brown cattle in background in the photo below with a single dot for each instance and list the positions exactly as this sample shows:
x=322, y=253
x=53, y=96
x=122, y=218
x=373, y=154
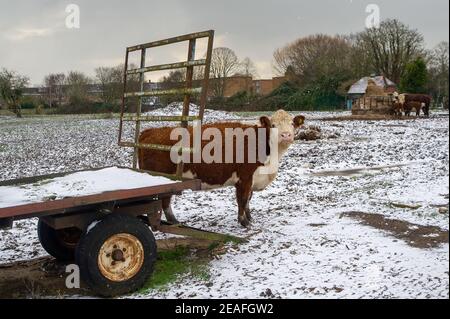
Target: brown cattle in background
x=413, y=105
x=406, y=98
x=398, y=109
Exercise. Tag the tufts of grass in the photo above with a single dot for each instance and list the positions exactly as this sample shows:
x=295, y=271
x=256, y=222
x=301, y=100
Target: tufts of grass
x=170, y=265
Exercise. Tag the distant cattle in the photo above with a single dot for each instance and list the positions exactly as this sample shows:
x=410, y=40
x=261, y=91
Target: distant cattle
x=398, y=109
x=245, y=175
x=409, y=101
x=413, y=105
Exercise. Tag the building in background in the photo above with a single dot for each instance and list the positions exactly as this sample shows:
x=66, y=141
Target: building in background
x=236, y=84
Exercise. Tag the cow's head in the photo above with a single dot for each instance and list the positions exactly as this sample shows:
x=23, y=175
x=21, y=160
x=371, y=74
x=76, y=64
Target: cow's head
x=399, y=98
x=286, y=125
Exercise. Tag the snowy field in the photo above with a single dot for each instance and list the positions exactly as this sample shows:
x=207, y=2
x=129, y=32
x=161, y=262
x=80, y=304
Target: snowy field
x=306, y=240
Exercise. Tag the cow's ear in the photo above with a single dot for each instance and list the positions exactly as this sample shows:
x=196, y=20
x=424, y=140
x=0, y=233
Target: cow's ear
x=299, y=120
x=265, y=121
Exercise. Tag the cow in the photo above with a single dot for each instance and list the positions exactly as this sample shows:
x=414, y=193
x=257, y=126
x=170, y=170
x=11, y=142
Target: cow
x=406, y=98
x=413, y=105
x=397, y=109
x=246, y=175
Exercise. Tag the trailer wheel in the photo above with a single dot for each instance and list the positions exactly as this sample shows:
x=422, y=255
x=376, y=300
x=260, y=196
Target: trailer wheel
x=116, y=255
x=58, y=243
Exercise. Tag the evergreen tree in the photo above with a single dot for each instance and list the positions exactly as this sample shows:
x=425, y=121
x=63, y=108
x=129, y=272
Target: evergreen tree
x=415, y=78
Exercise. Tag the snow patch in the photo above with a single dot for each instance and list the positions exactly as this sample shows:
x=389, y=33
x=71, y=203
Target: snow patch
x=92, y=225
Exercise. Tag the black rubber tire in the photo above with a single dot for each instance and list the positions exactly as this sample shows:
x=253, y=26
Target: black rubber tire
x=53, y=241
x=87, y=252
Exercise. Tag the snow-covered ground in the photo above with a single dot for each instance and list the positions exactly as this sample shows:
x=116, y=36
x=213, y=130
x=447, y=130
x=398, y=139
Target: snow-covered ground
x=300, y=245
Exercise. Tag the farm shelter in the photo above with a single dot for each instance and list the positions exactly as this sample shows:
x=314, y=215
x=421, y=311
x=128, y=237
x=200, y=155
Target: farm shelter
x=371, y=95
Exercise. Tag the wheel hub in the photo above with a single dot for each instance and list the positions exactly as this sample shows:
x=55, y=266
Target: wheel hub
x=69, y=237
x=117, y=255
x=121, y=257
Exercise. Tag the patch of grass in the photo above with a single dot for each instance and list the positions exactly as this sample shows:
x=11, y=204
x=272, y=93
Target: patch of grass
x=172, y=264
x=213, y=246
x=2, y=147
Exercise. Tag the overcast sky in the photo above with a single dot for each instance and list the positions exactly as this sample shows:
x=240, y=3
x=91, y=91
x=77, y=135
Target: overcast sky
x=35, y=41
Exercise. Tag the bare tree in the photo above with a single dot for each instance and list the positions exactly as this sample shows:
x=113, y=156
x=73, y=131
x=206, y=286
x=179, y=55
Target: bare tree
x=440, y=56
x=110, y=79
x=391, y=47
x=12, y=86
x=224, y=63
x=361, y=63
x=59, y=80
x=174, y=79
x=438, y=70
x=54, y=84
x=247, y=68
x=77, y=87
x=313, y=57
x=199, y=73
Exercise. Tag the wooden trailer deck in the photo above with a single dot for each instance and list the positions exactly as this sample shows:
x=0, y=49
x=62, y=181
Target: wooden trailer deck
x=38, y=196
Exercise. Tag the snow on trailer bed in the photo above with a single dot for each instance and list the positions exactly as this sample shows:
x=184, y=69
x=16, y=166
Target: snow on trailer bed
x=59, y=191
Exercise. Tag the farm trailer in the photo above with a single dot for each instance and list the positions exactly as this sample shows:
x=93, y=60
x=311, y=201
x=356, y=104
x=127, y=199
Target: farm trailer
x=108, y=234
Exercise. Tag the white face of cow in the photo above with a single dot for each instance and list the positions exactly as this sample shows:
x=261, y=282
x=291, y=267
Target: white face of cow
x=399, y=98
x=286, y=125
x=395, y=96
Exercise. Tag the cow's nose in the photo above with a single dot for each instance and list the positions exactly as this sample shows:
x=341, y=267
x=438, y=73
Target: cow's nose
x=286, y=136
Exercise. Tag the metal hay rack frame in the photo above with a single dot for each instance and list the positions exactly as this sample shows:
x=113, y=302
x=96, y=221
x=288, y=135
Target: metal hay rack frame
x=187, y=91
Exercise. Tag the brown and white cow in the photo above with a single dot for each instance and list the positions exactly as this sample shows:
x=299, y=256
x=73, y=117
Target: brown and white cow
x=409, y=101
x=245, y=174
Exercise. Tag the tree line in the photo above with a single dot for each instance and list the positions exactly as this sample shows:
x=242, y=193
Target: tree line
x=319, y=69
x=70, y=92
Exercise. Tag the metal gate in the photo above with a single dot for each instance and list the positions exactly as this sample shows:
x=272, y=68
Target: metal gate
x=187, y=91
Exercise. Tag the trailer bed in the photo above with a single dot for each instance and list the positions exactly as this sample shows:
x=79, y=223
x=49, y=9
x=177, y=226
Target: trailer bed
x=31, y=197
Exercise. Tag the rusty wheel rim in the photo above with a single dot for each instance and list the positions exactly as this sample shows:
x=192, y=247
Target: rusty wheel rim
x=121, y=257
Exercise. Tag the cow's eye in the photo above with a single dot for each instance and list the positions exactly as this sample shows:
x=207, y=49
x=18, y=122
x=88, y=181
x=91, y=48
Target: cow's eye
x=273, y=125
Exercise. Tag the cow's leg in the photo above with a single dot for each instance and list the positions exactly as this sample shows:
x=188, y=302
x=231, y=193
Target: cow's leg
x=247, y=207
x=427, y=110
x=243, y=193
x=167, y=208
